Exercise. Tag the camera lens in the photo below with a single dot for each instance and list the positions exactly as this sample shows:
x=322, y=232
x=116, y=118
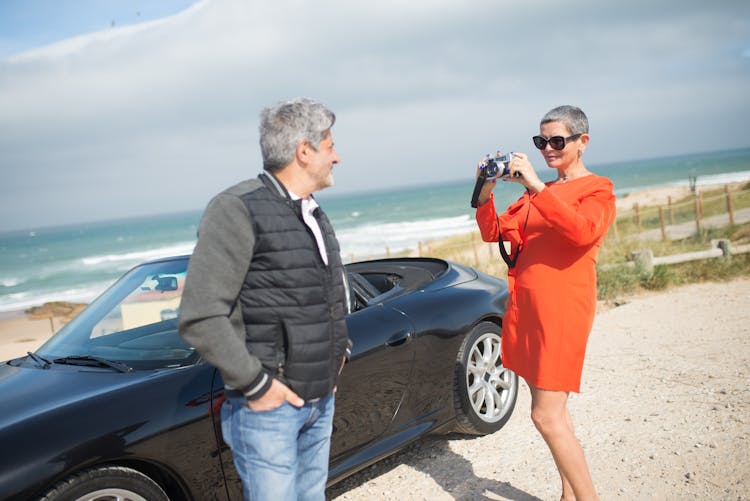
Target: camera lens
x=491, y=169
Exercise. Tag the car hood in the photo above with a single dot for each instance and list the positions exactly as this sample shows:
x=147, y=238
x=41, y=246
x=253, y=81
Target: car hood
x=30, y=391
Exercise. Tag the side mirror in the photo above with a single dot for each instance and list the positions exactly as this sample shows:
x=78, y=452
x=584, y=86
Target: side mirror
x=167, y=283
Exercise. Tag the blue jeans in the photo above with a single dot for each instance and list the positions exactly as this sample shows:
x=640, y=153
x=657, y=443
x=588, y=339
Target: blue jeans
x=281, y=454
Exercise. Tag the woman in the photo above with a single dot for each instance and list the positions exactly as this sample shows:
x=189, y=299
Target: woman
x=555, y=230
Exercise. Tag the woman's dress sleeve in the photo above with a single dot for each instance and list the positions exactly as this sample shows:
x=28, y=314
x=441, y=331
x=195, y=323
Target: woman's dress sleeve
x=581, y=223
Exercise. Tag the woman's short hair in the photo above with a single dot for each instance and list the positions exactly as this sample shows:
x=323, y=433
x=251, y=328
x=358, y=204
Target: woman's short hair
x=570, y=116
x=284, y=125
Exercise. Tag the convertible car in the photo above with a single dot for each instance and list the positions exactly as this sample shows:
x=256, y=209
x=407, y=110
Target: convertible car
x=117, y=406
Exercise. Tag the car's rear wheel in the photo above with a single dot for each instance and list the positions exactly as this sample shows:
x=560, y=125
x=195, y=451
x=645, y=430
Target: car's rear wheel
x=109, y=483
x=485, y=392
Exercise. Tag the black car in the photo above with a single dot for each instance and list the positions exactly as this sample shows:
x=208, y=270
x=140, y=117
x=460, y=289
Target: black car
x=117, y=406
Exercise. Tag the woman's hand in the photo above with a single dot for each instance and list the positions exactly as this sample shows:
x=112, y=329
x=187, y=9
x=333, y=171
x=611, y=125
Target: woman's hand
x=528, y=176
x=488, y=185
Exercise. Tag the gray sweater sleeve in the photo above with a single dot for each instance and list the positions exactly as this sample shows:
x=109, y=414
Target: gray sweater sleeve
x=209, y=320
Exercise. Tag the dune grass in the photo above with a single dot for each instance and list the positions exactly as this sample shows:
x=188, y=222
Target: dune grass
x=615, y=281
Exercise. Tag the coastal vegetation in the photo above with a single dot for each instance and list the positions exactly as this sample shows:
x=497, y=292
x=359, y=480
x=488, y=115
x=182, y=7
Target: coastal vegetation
x=646, y=227
x=616, y=281
x=640, y=228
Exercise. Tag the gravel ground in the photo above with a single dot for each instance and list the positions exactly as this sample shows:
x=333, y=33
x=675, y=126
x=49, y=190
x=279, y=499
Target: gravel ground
x=664, y=414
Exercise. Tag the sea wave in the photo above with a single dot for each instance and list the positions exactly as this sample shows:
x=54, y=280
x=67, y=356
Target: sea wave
x=141, y=255
x=700, y=181
x=23, y=300
x=362, y=232
x=379, y=238
x=79, y=272
x=77, y=280
x=723, y=178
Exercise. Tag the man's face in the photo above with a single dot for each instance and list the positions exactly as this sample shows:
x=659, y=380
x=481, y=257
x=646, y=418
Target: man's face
x=320, y=167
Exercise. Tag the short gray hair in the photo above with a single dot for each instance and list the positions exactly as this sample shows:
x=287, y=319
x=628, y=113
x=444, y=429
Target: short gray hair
x=284, y=125
x=570, y=116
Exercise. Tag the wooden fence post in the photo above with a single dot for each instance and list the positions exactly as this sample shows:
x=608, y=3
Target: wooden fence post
x=725, y=245
x=730, y=204
x=671, y=210
x=644, y=259
x=662, y=223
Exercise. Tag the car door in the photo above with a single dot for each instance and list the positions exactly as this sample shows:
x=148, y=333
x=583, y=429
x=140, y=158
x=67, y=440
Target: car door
x=370, y=390
x=374, y=380
x=232, y=481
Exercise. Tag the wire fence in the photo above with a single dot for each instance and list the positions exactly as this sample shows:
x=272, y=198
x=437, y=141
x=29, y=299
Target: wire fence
x=693, y=211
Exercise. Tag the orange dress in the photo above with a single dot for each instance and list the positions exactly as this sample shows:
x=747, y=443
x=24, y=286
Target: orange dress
x=553, y=284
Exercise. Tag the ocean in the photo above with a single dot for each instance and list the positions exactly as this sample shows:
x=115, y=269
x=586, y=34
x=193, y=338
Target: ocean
x=77, y=262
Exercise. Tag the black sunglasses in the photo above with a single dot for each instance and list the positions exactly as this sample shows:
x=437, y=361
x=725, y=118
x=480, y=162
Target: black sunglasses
x=557, y=142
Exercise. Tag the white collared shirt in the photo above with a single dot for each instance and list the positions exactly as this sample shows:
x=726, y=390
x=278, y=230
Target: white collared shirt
x=308, y=207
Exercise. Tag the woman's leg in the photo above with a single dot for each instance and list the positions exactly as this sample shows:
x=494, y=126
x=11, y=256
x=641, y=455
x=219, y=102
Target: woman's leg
x=567, y=489
x=550, y=416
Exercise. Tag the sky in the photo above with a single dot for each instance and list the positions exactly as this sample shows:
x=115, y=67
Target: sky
x=119, y=108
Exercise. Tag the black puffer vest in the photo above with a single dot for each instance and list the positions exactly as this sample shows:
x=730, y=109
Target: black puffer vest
x=293, y=305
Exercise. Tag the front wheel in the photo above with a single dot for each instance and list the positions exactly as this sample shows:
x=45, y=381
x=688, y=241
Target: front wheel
x=484, y=391
x=109, y=483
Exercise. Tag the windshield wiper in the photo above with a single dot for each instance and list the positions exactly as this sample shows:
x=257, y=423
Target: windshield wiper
x=91, y=361
x=39, y=359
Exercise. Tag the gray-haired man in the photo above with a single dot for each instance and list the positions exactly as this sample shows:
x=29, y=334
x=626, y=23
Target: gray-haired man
x=264, y=301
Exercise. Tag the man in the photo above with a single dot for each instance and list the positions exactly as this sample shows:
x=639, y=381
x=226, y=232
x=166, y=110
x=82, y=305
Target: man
x=264, y=301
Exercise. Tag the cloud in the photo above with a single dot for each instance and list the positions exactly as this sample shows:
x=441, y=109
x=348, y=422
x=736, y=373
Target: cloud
x=159, y=116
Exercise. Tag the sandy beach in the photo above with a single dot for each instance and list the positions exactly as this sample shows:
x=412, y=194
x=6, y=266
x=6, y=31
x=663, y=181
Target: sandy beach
x=654, y=196
x=664, y=411
x=664, y=414
x=661, y=196
x=19, y=333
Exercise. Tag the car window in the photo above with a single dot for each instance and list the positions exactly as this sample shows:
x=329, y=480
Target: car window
x=156, y=299
x=133, y=322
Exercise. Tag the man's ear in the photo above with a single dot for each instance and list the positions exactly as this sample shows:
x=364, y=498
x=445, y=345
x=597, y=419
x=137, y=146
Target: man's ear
x=304, y=150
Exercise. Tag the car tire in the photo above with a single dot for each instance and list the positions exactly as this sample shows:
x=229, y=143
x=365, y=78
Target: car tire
x=484, y=392
x=106, y=483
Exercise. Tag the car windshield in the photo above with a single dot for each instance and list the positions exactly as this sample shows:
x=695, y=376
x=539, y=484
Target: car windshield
x=133, y=323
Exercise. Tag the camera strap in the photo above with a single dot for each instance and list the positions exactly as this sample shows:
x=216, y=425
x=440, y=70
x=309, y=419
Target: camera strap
x=477, y=188
x=511, y=261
